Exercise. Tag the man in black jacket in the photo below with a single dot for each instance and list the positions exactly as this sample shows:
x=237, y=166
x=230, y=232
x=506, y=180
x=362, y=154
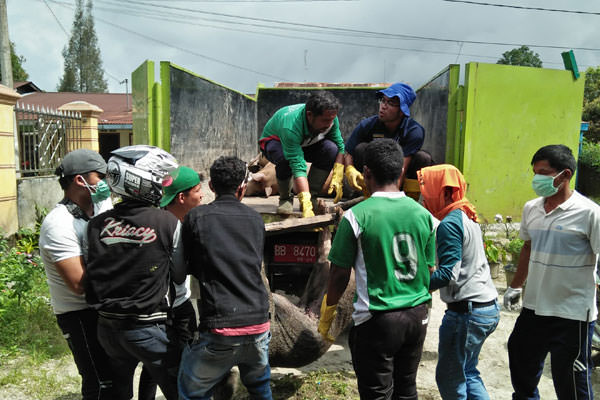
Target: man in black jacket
x=223, y=244
x=133, y=255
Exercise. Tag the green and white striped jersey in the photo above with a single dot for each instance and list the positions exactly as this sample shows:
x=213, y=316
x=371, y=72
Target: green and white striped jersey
x=389, y=239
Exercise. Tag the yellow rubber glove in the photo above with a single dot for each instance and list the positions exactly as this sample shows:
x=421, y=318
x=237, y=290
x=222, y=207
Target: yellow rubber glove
x=328, y=314
x=336, y=182
x=305, y=204
x=355, y=178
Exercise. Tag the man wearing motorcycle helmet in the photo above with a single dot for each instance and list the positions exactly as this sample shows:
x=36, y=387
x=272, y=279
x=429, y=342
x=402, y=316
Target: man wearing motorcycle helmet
x=134, y=254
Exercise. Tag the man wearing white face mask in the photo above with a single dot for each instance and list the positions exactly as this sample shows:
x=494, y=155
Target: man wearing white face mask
x=63, y=245
x=561, y=230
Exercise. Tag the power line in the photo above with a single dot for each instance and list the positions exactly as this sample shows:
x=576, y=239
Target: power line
x=66, y=33
x=178, y=18
x=57, y=20
x=377, y=34
x=478, y=3
x=186, y=50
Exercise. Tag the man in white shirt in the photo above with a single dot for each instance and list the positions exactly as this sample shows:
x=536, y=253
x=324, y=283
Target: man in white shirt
x=63, y=247
x=561, y=230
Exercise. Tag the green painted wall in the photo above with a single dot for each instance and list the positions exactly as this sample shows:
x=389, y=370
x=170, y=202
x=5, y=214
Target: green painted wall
x=142, y=80
x=509, y=113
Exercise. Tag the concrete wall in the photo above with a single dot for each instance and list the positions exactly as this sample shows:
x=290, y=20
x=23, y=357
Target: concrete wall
x=430, y=109
x=357, y=103
x=207, y=120
x=510, y=112
x=44, y=192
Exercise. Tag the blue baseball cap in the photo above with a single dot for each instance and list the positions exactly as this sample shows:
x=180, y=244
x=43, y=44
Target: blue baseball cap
x=403, y=92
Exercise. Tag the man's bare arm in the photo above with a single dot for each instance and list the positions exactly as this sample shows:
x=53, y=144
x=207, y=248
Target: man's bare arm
x=71, y=270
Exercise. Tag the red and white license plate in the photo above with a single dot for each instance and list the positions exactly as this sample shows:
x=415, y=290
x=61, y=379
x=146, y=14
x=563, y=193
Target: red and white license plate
x=295, y=253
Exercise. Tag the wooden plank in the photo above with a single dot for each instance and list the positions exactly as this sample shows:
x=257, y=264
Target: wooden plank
x=297, y=224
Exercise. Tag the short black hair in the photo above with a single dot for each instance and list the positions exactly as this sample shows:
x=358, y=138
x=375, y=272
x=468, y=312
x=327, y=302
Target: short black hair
x=385, y=159
x=322, y=101
x=559, y=156
x=226, y=174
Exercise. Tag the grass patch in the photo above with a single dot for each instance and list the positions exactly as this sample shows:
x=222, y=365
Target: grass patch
x=316, y=385
x=28, y=377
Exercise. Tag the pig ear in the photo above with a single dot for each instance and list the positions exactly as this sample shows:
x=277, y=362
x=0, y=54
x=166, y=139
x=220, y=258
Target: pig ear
x=268, y=190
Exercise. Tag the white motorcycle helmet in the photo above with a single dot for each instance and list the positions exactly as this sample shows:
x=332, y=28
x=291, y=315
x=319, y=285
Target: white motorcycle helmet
x=137, y=172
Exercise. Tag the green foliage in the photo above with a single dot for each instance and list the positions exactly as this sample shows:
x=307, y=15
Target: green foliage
x=27, y=323
x=592, y=84
x=16, y=61
x=591, y=114
x=521, y=56
x=590, y=154
x=82, y=61
x=514, y=248
x=492, y=252
x=591, y=104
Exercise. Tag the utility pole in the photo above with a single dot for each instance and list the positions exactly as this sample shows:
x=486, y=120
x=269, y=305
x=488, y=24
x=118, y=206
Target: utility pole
x=124, y=81
x=5, y=57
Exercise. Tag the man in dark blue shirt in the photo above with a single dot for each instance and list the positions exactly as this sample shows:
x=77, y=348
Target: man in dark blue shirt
x=393, y=122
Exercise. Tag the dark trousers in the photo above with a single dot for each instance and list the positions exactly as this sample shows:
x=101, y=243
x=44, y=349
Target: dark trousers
x=179, y=332
x=79, y=329
x=127, y=343
x=569, y=344
x=321, y=154
x=386, y=351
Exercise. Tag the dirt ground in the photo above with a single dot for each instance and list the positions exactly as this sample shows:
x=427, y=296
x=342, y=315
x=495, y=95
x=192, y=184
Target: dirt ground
x=493, y=362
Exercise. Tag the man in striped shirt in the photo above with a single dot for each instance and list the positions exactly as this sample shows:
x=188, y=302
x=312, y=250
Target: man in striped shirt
x=561, y=230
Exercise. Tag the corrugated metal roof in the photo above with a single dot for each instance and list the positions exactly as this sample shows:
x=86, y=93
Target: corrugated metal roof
x=114, y=105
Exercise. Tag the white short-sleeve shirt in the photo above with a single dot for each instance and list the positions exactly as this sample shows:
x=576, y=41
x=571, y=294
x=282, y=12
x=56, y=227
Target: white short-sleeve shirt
x=564, y=248
x=63, y=236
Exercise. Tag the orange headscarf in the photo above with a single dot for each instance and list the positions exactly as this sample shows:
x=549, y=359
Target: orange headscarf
x=433, y=180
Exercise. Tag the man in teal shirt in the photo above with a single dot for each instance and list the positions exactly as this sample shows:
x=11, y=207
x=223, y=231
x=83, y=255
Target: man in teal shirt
x=305, y=132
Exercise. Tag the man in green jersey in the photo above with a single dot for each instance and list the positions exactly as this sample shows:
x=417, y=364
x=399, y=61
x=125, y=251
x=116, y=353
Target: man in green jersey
x=389, y=240
x=305, y=132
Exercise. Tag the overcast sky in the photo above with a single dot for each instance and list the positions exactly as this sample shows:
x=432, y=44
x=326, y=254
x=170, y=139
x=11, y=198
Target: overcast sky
x=244, y=43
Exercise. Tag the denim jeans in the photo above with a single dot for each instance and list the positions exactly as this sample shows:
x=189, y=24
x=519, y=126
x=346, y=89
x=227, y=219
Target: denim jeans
x=128, y=343
x=211, y=356
x=79, y=329
x=179, y=332
x=461, y=338
x=569, y=343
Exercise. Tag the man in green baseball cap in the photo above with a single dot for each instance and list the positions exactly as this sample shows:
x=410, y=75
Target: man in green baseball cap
x=181, y=191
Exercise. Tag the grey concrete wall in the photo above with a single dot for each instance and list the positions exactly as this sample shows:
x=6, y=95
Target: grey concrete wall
x=357, y=103
x=44, y=192
x=430, y=109
x=208, y=121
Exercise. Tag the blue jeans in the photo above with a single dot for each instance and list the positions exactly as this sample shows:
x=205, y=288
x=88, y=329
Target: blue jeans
x=128, y=343
x=211, y=356
x=461, y=338
x=569, y=344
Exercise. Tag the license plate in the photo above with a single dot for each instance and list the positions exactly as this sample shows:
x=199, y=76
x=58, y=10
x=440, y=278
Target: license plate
x=295, y=253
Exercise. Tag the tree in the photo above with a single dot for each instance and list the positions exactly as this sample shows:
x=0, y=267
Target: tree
x=82, y=61
x=591, y=104
x=19, y=74
x=521, y=56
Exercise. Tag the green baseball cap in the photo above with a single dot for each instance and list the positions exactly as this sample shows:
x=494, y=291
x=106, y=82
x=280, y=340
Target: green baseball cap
x=180, y=179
